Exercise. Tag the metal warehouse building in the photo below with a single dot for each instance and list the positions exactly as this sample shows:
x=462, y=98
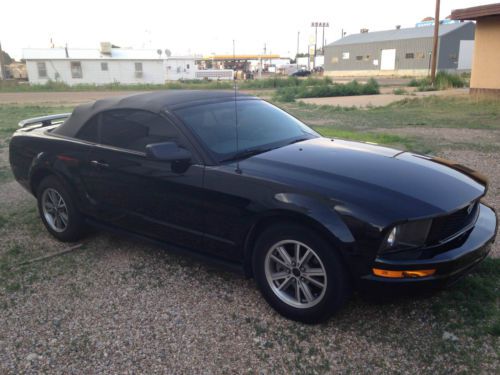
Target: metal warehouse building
x=400, y=51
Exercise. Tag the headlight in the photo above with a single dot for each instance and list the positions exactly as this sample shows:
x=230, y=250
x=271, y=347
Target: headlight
x=406, y=236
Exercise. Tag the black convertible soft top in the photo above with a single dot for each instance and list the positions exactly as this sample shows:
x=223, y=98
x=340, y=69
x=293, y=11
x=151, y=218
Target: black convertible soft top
x=152, y=101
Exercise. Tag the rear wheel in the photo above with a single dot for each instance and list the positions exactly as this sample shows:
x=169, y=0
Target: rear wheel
x=299, y=273
x=58, y=211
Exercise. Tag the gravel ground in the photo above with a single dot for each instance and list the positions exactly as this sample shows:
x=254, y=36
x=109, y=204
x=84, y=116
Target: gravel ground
x=120, y=306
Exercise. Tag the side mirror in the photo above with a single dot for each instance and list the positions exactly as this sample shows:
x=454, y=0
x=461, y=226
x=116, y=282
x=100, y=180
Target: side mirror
x=167, y=151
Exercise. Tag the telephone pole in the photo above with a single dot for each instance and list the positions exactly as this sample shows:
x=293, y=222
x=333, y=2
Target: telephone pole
x=435, y=43
x=297, y=55
x=2, y=66
x=316, y=25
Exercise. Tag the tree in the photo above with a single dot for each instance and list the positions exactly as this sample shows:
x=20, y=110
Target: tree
x=6, y=58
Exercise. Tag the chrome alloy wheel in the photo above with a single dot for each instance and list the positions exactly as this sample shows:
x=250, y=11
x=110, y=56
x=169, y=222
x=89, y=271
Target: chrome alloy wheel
x=295, y=274
x=55, y=210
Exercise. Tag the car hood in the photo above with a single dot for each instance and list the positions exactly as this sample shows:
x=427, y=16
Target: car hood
x=371, y=177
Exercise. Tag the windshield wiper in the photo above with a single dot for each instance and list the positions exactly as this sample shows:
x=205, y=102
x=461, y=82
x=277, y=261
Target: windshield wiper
x=246, y=153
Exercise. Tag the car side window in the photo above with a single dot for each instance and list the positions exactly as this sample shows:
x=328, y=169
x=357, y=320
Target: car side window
x=129, y=129
x=90, y=131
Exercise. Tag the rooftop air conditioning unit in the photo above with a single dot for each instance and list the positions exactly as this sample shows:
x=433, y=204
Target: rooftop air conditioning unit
x=106, y=48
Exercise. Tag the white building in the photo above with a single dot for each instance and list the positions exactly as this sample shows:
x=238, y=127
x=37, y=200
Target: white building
x=306, y=62
x=94, y=66
x=180, y=67
x=113, y=65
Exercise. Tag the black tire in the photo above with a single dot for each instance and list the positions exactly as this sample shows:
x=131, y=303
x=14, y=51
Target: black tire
x=337, y=290
x=75, y=228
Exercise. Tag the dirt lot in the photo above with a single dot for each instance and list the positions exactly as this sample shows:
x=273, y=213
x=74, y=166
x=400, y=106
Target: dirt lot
x=120, y=306
x=54, y=98
x=384, y=98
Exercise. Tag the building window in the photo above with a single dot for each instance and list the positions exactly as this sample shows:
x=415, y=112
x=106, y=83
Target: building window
x=410, y=55
x=420, y=55
x=335, y=60
x=345, y=55
x=187, y=66
x=138, y=70
x=359, y=58
x=104, y=66
x=42, y=69
x=76, y=69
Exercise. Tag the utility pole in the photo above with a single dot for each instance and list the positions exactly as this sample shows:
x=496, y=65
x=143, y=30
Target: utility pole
x=315, y=44
x=297, y=55
x=316, y=25
x=323, y=40
x=2, y=66
x=435, y=44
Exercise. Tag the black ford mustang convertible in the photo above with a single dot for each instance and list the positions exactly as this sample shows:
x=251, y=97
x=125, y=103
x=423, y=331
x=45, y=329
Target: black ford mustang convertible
x=238, y=181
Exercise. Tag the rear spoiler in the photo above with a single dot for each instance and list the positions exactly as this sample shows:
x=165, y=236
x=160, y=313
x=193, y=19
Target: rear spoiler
x=44, y=120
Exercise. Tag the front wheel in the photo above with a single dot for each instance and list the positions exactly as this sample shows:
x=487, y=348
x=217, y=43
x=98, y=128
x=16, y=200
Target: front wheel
x=299, y=273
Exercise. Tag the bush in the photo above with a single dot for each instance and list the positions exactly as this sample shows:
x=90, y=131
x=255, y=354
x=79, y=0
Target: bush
x=399, y=91
x=444, y=81
x=277, y=82
x=286, y=94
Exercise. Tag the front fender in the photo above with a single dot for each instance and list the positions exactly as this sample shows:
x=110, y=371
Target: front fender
x=319, y=210
x=313, y=212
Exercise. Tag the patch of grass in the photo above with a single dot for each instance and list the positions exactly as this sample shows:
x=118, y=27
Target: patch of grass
x=10, y=115
x=473, y=304
x=5, y=175
x=56, y=86
x=3, y=221
x=267, y=83
x=327, y=89
x=432, y=111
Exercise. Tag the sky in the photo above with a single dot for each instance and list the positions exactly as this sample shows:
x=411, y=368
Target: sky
x=203, y=27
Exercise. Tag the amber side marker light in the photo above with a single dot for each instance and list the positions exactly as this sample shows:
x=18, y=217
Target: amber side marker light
x=403, y=274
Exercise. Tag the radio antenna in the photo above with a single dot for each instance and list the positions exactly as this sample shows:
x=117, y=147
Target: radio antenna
x=238, y=170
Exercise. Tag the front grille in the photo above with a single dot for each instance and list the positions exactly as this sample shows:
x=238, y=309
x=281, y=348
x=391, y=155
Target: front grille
x=448, y=226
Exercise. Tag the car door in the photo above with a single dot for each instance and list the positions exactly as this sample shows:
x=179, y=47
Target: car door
x=155, y=198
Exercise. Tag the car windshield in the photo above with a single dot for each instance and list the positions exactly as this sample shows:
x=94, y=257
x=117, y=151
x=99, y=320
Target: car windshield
x=261, y=127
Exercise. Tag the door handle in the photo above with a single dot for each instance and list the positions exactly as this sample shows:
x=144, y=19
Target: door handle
x=100, y=164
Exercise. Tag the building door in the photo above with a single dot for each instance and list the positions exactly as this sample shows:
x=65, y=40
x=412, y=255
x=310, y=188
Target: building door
x=465, y=55
x=388, y=59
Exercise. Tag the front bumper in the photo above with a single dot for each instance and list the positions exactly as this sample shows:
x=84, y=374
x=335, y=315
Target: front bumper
x=450, y=265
